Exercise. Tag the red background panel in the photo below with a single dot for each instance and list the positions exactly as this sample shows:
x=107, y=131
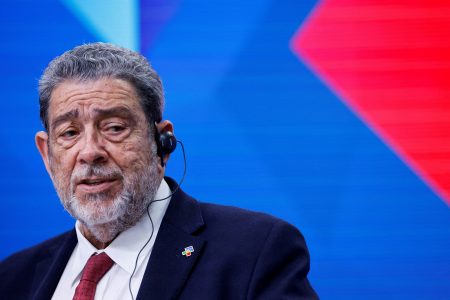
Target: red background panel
x=390, y=62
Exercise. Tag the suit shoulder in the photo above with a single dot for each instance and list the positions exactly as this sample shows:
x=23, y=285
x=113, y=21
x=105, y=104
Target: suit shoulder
x=34, y=253
x=29, y=264
x=236, y=213
x=240, y=220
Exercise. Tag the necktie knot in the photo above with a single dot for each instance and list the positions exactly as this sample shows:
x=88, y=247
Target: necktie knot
x=96, y=267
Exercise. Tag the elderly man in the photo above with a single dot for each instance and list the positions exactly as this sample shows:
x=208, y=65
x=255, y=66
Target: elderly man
x=137, y=235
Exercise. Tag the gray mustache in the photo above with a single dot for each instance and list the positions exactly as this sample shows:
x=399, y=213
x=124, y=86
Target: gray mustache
x=95, y=171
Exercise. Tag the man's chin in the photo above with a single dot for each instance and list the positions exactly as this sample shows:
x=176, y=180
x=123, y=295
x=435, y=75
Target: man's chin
x=97, y=212
x=101, y=198
x=95, y=220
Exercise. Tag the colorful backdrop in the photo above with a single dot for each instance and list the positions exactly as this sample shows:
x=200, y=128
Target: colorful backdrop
x=334, y=115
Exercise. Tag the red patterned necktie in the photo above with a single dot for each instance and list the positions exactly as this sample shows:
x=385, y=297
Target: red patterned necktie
x=96, y=267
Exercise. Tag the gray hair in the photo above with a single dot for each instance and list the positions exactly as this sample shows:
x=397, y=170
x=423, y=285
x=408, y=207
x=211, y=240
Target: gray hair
x=98, y=60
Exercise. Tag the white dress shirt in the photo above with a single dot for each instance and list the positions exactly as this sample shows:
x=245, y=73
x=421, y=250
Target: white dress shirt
x=123, y=251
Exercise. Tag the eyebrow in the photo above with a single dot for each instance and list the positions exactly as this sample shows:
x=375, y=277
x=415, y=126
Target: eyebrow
x=103, y=113
x=70, y=115
x=121, y=112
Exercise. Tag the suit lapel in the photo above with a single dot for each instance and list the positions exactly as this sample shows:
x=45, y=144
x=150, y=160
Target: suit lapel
x=168, y=269
x=49, y=270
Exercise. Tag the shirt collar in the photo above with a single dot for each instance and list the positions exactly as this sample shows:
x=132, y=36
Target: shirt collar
x=124, y=249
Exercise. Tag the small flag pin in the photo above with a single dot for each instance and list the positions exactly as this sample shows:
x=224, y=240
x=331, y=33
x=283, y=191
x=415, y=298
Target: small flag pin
x=188, y=251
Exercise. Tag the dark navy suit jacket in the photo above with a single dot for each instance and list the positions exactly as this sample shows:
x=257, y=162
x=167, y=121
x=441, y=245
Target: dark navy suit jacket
x=237, y=255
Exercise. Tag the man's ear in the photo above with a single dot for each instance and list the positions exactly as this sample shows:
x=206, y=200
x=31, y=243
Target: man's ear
x=41, y=140
x=164, y=126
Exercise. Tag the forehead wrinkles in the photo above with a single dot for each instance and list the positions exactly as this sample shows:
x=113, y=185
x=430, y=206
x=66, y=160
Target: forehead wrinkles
x=78, y=96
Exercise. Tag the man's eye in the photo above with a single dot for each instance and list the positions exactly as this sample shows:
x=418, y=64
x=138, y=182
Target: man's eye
x=69, y=133
x=115, y=128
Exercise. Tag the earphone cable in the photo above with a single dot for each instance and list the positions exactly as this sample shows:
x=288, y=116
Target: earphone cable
x=151, y=221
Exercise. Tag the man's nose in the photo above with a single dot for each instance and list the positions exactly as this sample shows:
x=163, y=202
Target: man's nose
x=92, y=150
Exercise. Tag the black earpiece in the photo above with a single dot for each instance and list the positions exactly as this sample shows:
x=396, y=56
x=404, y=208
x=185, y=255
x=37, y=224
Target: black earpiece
x=166, y=143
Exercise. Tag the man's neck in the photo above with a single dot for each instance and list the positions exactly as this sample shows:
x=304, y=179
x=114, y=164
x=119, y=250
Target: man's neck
x=93, y=239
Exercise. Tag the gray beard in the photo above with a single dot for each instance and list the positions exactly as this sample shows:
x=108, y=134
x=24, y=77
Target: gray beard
x=105, y=222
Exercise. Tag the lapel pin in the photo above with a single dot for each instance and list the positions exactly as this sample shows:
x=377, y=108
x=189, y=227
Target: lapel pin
x=188, y=251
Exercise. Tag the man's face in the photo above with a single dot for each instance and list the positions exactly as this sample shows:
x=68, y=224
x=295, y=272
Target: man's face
x=100, y=153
